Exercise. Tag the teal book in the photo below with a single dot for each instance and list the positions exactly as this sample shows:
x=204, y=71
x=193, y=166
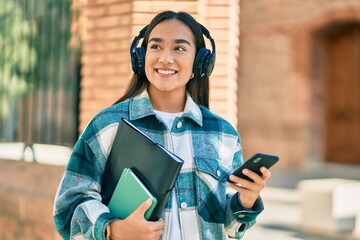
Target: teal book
x=129, y=194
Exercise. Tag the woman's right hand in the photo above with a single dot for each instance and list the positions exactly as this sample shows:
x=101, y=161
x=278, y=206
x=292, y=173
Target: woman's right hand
x=135, y=226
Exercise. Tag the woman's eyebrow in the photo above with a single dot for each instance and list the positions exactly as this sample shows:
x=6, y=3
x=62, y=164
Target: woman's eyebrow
x=158, y=40
x=177, y=41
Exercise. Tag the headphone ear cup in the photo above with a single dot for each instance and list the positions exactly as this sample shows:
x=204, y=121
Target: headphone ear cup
x=140, y=60
x=134, y=60
x=209, y=64
x=199, y=62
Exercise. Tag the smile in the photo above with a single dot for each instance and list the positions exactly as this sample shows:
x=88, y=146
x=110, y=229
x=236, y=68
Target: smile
x=166, y=72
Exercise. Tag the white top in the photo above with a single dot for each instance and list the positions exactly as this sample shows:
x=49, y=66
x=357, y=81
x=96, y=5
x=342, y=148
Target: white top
x=175, y=233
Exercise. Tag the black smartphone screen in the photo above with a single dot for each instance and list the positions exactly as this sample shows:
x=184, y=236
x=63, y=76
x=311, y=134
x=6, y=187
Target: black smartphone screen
x=254, y=164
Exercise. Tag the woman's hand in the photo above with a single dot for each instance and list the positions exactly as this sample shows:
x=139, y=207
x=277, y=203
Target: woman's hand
x=250, y=191
x=136, y=226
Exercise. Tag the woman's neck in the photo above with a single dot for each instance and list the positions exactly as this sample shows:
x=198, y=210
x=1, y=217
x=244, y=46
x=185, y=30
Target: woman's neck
x=167, y=102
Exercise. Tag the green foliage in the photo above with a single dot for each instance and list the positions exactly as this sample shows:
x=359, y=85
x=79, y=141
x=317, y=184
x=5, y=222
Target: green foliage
x=38, y=71
x=17, y=56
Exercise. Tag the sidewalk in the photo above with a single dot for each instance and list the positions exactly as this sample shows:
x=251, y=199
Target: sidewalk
x=260, y=232
x=282, y=217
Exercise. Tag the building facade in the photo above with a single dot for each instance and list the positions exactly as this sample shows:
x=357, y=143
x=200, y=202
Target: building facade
x=272, y=79
x=299, y=79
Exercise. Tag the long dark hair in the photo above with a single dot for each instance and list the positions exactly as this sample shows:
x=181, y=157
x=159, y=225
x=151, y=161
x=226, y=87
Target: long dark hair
x=198, y=87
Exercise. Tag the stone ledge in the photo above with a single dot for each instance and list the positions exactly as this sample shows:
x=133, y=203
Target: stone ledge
x=330, y=205
x=27, y=192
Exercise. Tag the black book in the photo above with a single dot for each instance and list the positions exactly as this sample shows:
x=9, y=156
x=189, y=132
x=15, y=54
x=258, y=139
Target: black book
x=153, y=164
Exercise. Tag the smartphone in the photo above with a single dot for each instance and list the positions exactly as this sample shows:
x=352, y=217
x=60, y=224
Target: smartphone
x=254, y=164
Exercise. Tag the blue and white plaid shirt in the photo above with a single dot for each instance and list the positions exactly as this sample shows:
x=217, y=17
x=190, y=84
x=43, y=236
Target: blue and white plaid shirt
x=210, y=148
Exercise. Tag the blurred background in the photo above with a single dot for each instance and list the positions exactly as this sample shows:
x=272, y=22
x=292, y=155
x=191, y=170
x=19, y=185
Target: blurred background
x=287, y=77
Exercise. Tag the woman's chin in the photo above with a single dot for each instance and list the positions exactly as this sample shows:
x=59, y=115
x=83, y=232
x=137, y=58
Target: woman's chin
x=164, y=88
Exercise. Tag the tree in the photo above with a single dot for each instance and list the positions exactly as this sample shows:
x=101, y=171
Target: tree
x=17, y=61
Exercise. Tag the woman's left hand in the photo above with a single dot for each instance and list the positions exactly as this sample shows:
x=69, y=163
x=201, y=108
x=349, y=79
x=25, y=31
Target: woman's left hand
x=250, y=191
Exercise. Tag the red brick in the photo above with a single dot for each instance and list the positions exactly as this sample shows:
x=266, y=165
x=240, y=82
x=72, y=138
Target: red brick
x=218, y=11
x=107, y=22
x=156, y=6
x=218, y=23
x=120, y=8
x=109, y=81
x=107, y=34
x=95, y=11
x=103, y=2
x=218, y=2
x=218, y=94
x=106, y=46
x=91, y=59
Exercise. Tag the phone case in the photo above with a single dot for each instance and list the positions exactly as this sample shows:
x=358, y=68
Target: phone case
x=255, y=163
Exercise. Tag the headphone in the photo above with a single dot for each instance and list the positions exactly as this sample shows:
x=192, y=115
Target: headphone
x=204, y=58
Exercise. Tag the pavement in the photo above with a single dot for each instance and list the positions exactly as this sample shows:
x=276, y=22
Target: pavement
x=282, y=217
x=260, y=232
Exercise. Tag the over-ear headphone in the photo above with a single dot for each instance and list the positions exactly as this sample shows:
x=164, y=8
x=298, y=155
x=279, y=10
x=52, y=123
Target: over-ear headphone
x=204, y=58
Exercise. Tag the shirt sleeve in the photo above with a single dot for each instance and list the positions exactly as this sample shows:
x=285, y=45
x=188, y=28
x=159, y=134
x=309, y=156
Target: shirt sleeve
x=239, y=219
x=78, y=210
x=242, y=214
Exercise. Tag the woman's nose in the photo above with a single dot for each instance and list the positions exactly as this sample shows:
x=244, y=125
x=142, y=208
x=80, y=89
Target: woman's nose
x=166, y=57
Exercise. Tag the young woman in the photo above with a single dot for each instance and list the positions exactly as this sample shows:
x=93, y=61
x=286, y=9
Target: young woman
x=167, y=99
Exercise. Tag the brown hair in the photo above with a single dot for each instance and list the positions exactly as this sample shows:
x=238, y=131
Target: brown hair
x=198, y=87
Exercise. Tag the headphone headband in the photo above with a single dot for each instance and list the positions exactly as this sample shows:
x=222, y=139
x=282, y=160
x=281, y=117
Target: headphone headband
x=204, y=58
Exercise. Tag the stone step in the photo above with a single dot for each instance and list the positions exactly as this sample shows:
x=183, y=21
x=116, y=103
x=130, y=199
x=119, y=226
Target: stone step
x=282, y=207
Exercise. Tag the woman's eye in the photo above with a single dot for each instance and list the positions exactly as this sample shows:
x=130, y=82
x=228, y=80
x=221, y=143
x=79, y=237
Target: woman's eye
x=155, y=46
x=180, y=49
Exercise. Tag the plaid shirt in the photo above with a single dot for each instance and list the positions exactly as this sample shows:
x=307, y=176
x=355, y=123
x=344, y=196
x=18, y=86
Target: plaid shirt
x=210, y=148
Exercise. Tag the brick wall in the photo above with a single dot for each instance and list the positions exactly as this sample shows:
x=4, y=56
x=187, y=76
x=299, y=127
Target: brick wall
x=108, y=29
x=280, y=108
x=105, y=55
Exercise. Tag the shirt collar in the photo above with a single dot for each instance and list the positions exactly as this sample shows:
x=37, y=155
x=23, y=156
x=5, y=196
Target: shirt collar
x=140, y=107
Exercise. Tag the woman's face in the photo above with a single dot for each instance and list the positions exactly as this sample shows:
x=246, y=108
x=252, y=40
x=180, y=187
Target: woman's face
x=169, y=57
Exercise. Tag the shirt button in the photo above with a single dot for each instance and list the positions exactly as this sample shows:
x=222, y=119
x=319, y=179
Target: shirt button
x=241, y=216
x=183, y=205
x=218, y=173
x=179, y=125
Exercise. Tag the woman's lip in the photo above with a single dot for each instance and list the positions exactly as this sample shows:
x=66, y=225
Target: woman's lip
x=166, y=71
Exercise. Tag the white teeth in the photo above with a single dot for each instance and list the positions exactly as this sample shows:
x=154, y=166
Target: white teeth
x=166, y=71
